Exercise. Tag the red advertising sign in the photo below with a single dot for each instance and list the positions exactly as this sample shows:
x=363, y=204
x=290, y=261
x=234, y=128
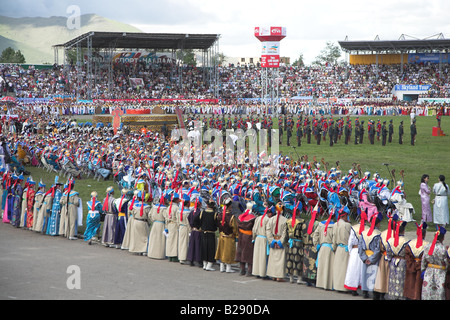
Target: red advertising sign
x=270, y=33
x=270, y=61
x=158, y=100
x=275, y=31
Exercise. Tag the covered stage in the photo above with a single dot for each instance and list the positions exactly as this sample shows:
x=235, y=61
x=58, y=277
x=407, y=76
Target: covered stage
x=135, y=122
x=95, y=50
x=136, y=119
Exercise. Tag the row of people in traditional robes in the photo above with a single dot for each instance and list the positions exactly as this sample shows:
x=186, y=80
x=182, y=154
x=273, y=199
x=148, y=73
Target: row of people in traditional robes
x=183, y=227
x=180, y=227
x=330, y=254
x=57, y=211
x=386, y=262
x=334, y=255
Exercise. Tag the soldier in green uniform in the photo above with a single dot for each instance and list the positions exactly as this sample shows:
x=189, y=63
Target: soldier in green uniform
x=383, y=134
x=347, y=132
x=413, y=132
x=299, y=134
x=400, y=133
x=288, y=131
x=371, y=131
x=280, y=129
x=390, y=131
x=308, y=133
x=331, y=132
x=361, y=132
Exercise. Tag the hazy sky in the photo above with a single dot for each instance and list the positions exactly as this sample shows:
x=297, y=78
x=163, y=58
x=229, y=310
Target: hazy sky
x=309, y=24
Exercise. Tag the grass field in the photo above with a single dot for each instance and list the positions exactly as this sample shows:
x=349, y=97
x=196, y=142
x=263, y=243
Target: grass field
x=430, y=155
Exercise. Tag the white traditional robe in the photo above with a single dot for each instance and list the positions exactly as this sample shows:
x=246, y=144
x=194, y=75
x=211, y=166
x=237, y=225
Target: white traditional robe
x=440, y=207
x=260, y=247
x=354, y=267
x=276, y=265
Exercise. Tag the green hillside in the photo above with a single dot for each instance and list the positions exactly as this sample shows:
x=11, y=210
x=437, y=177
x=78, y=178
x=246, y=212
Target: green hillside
x=35, y=36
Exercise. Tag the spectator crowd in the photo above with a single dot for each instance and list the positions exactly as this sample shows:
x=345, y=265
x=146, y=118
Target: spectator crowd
x=170, y=81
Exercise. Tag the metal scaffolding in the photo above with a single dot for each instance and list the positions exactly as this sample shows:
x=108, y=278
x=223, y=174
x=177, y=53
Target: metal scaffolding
x=94, y=54
x=269, y=88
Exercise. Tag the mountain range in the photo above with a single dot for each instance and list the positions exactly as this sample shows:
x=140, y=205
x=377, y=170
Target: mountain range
x=35, y=36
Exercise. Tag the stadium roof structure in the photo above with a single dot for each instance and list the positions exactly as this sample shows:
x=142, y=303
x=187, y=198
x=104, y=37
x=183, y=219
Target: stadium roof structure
x=128, y=40
x=400, y=45
x=109, y=42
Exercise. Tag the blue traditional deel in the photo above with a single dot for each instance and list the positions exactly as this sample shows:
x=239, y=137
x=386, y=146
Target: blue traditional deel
x=288, y=200
x=41, y=184
x=176, y=196
x=217, y=192
x=168, y=194
x=186, y=198
x=334, y=201
x=274, y=194
x=343, y=209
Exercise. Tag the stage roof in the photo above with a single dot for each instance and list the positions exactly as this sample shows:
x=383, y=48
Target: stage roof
x=134, y=40
x=396, y=45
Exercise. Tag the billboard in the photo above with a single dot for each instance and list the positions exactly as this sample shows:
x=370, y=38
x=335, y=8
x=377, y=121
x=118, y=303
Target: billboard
x=270, y=33
x=270, y=61
x=428, y=57
x=270, y=38
x=270, y=48
x=412, y=87
x=140, y=57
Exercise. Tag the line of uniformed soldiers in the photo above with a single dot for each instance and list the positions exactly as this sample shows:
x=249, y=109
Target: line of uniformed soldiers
x=317, y=127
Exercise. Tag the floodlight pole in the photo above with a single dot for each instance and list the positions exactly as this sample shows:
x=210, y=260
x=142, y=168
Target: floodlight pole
x=55, y=54
x=89, y=67
x=78, y=68
x=216, y=70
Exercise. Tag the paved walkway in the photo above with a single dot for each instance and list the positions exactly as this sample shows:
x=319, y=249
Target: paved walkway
x=36, y=266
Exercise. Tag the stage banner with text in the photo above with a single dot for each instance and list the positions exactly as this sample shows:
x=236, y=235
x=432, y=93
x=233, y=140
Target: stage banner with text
x=270, y=61
x=428, y=58
x=158, y=100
